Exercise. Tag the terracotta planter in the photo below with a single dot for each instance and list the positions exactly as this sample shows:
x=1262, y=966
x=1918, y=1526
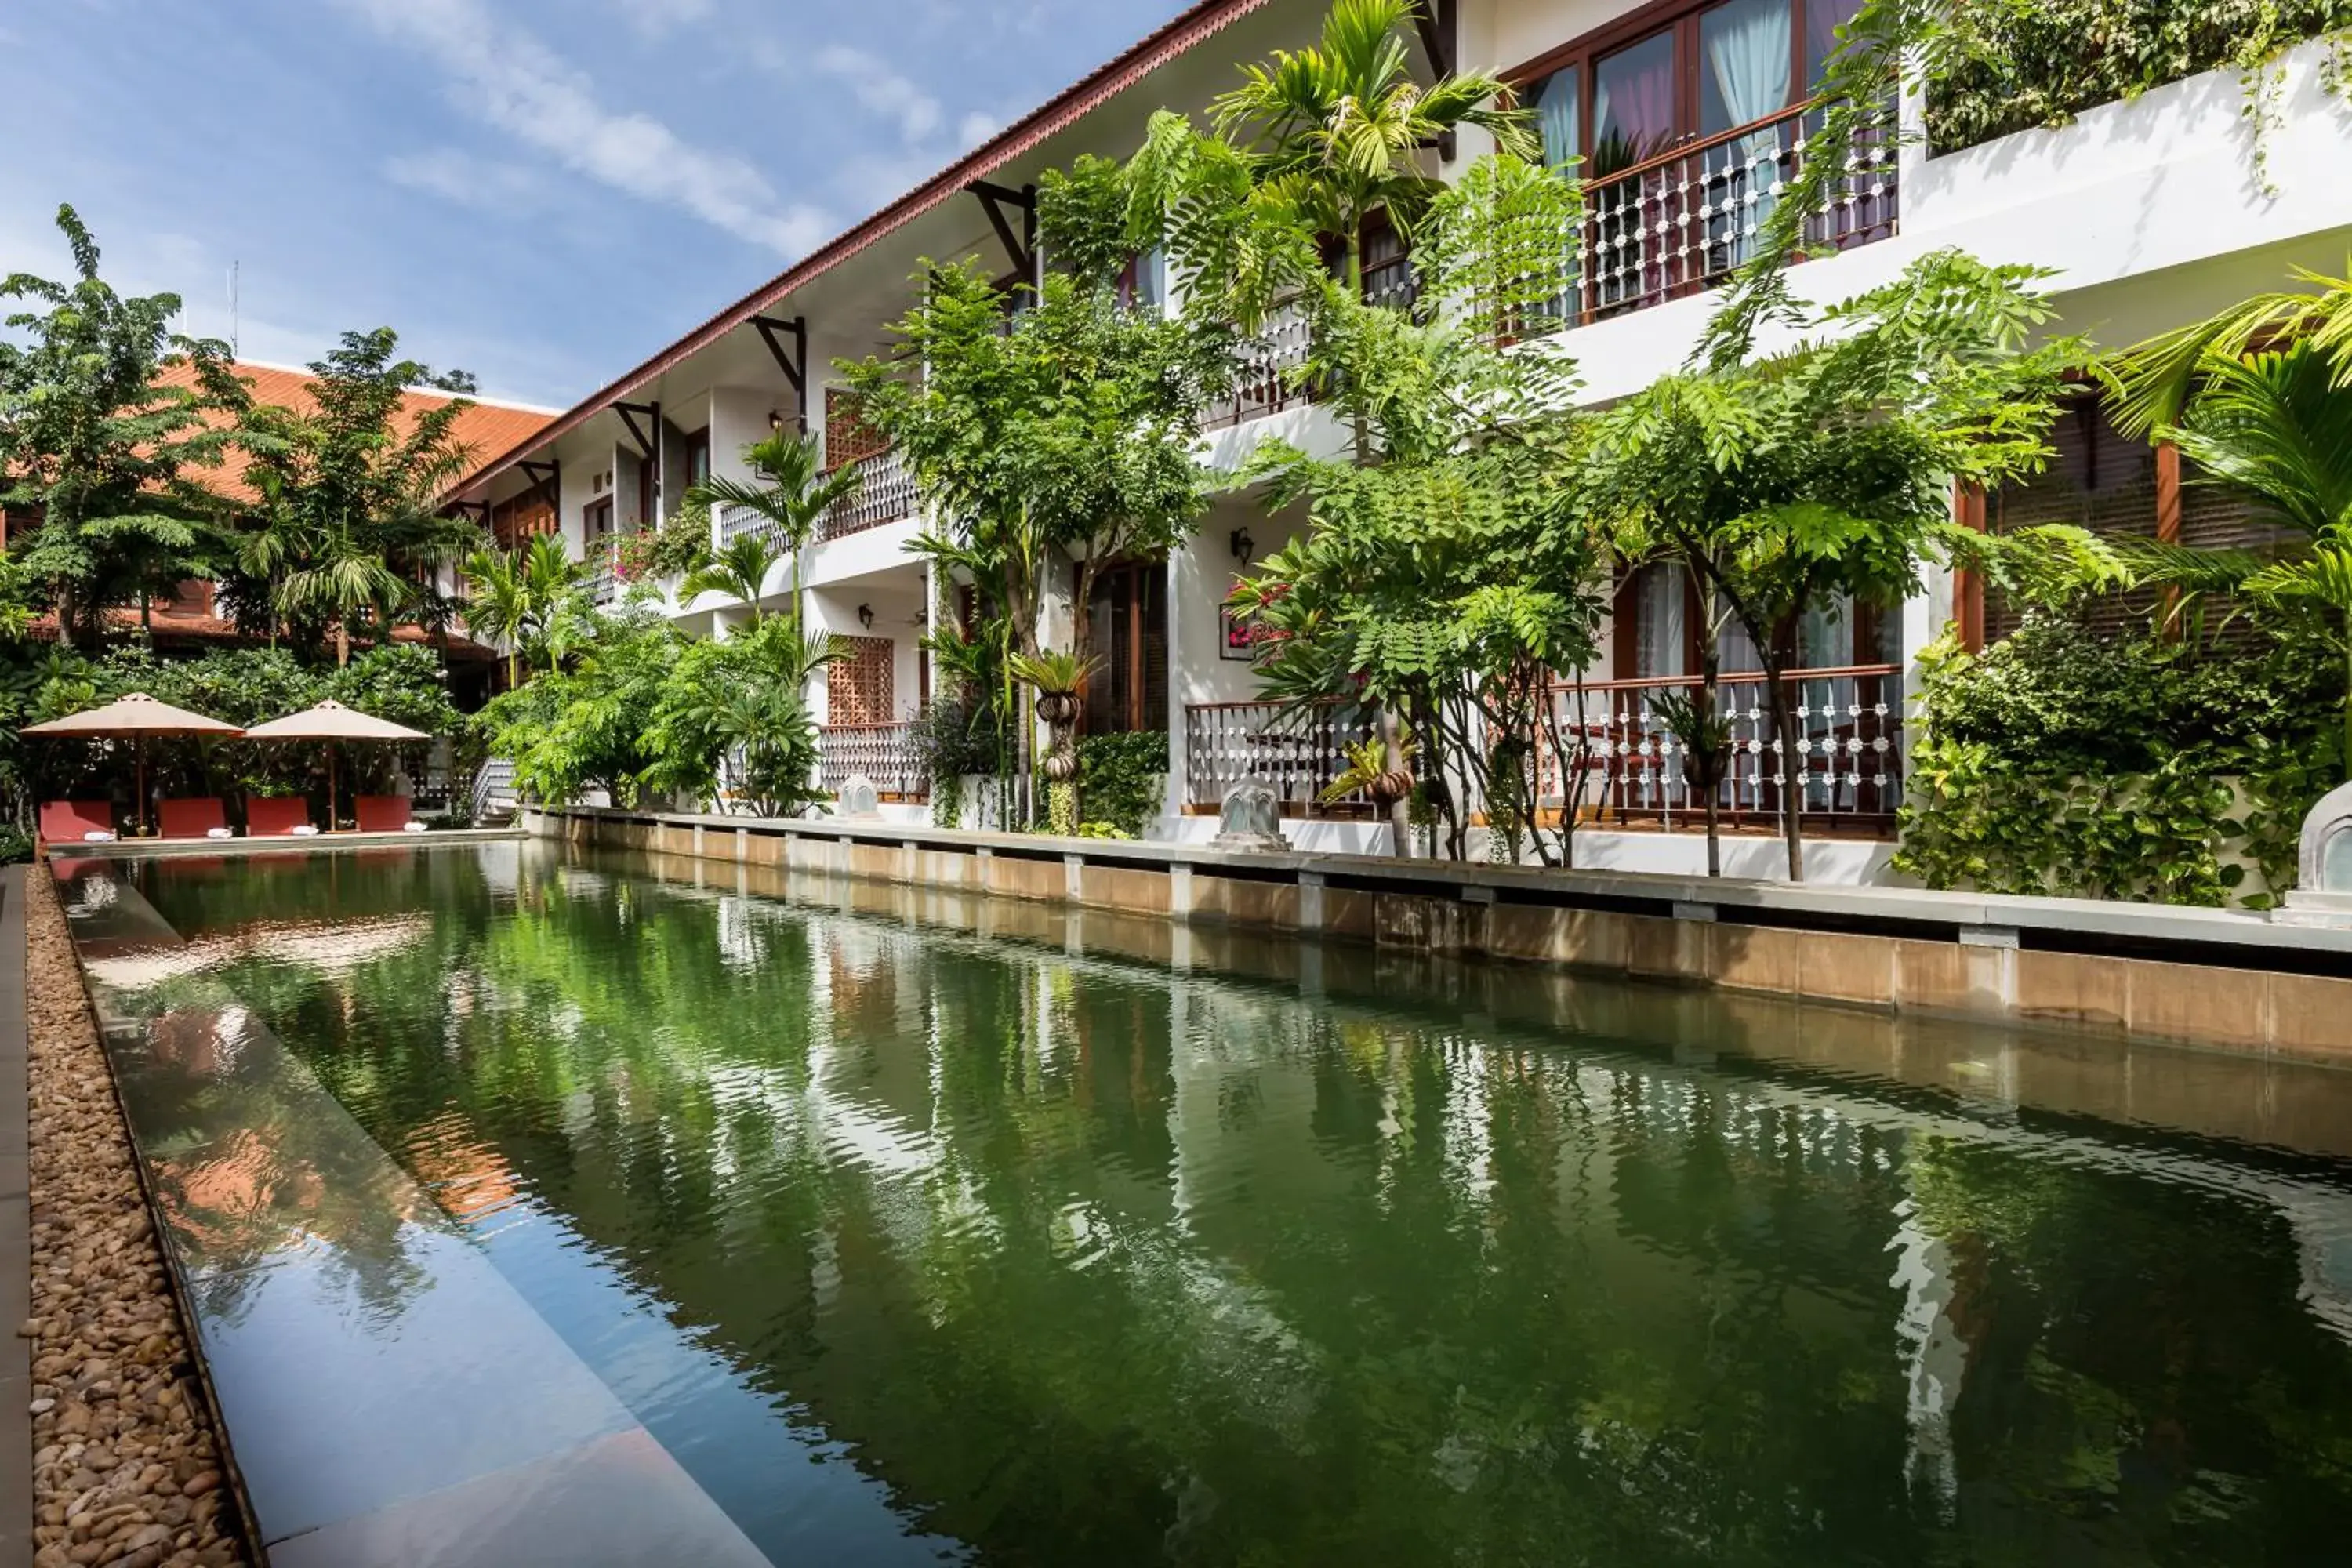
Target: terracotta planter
x=1390, y=787
x=1057, y=708
x=1061, y=766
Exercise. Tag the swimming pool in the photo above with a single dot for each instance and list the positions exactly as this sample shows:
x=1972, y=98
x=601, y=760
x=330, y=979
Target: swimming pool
x=915, y=1227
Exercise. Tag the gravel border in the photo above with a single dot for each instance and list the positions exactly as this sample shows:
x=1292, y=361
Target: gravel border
x=126, y=1471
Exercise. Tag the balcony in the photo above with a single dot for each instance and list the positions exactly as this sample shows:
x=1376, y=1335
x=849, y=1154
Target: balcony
x=886, y=495
x=1296, y=753
x=883, y=754
x=1609, y=752
x=600, y=570
x=1623, y=767
x=1685, y=221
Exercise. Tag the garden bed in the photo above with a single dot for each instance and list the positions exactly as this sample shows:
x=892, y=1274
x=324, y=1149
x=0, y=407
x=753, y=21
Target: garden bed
x=127, y=1469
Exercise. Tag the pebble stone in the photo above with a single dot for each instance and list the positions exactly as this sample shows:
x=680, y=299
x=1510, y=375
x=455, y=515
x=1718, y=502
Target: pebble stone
x=126, y=1471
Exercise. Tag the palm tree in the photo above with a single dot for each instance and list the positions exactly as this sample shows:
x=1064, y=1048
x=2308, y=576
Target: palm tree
x=1314, y=143
x=738, y=567
x=794, y=499
x=1338, y=132
x=519, y=597
x=2276, y=427
x=500, y=605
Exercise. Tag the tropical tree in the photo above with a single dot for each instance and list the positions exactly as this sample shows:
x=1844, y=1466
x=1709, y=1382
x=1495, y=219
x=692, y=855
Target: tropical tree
x=108, y=420
x=792, y=493
x=1314, y=143
x=1062, y=440
x=1819, y=477
x=530, y=599
x=1305, y=151
x=2276, y=427
x=731, y=721
x=1442, y=586
x=739, y=568
x=351, y=490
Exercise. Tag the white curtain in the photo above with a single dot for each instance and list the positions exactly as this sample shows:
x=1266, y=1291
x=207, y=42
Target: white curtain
x=1556, y=115
x=1661, y=627
x=1826, y=635
x=1746, y=46
x=1556, y=103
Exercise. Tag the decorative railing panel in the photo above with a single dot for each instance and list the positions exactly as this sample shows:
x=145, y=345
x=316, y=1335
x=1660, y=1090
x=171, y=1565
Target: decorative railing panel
x=1298, y=753
x=740, y=522
x=885, y=494
x=606, y=583
x=885, y=753
x=1263, y=383
x=1684, y=220
x=1849, y=724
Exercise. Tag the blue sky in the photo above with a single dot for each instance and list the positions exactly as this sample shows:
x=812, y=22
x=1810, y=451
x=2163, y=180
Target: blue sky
x=541, y=192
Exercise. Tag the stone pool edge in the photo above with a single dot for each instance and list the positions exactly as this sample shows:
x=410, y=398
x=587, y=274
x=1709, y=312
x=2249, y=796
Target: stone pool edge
x=41, y=888
x=2212, y=979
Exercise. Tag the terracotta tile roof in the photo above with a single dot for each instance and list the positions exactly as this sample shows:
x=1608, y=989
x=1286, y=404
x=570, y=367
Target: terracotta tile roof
x=1191, y=27
x=175, y=626
x=484, y=428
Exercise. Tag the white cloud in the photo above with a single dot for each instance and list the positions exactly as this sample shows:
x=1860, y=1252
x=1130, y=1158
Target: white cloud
x=458, y=176
x=659, y=18
x=976, y=128
x=883, y=91
x=513, y=80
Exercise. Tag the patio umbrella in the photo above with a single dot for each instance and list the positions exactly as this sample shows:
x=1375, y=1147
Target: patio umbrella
x=137, y=716
x=332, y=722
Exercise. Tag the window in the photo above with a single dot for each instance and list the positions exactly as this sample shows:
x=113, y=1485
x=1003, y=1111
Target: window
x=1128, y=625
x=697, y=457
x=599, y=519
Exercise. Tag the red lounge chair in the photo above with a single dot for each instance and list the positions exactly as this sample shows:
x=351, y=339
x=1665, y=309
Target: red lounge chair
x=191, y=818
x=72, y=821
x=380, y=812
x=274, y=816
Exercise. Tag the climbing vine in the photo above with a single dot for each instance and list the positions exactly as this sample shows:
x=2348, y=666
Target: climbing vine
x=1121, y=779
x=2062, y=761
x=2005, y=67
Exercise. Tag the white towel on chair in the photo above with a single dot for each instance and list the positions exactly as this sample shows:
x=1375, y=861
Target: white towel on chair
x=306, y=830
x=411, y=826
x=218, y=833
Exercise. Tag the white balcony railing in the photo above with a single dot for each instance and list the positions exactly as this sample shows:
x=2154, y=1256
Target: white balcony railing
x=883, y=754
x=885, y=494
x=1622, y=761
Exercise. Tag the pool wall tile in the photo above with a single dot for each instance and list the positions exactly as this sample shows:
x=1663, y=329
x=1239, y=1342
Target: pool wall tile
x=2216, y=1005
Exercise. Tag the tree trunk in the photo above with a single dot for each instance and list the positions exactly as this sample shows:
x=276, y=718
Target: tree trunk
x=343, y=642
x=1792, y=769
x=1710, y=669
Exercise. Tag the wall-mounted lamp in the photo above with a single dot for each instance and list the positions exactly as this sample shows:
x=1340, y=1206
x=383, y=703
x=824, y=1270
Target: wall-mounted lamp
x=776, y=421
x=865, y=616
x=1243, y=546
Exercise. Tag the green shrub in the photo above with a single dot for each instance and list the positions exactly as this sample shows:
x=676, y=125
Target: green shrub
x=2064, y=761
x=1122, y=779
x=2012, y=67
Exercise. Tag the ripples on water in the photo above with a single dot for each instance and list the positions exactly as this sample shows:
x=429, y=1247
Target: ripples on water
x=916, y=1242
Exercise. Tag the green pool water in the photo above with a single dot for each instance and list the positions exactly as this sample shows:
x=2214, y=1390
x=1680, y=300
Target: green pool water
x=925, y=1229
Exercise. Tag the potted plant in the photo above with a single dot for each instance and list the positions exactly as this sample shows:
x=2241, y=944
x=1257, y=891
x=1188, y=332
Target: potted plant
x=1368, y=770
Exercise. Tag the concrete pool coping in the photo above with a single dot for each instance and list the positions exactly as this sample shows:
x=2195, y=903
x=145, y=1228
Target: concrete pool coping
x=2220, y=979
x=16, y=1519
x=450, y=1424
x=245, y=848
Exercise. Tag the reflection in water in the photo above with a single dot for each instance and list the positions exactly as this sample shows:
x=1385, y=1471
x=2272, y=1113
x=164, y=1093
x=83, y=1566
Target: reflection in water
x=1047, y=1252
